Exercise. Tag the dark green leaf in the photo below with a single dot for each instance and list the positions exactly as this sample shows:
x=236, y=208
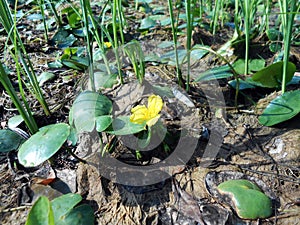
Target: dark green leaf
x=123, y=126
x=44, y=77
x=271, y=76
x=81, y=215
x=103, y=122
x=242, y=84
x=275, y=47
x=63, y=39
x=87, y=106
x=9, y=140
x=63, y=205
x=274, y=35
x=105, y=80
x=214, y=73
x=43, y=144
x=147, y=23
x=282, y=108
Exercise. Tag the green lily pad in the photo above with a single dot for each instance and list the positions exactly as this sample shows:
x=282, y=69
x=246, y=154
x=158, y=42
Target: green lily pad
x=254, y=65
x=9, y=140
x=103, y=122
x=41, y=213
x=274, y=35
x=15, y=121
x=214, y=73
x=147, y=23
x=280, y=109
x=87, y=106
x=247, y=199
x=43, y=144
x=63, y=205
x=44, y=77
x=105, y=80
x=271, y=76
x=123, y=126
x=81, y=215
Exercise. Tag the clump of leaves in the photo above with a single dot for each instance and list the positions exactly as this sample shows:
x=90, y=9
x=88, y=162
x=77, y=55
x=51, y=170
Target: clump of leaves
x=60, y=211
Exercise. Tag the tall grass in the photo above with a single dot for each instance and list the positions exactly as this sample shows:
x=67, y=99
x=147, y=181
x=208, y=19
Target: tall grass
x=20, y=56
x=22, y=107
x=288, y=9
x=174, y=34
x=189, y=10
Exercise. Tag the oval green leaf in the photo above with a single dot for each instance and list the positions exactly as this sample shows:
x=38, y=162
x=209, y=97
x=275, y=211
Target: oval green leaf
x=147, y=23
x=103, y=122
x=87, y=106
x=81, y=215
x=43, y=144
x=249, y=202
x=41, y=213
x=63, y=205
x=9, y=140
x=15, y=121
x=282, y=108
x=271, y=76
x=123, y=126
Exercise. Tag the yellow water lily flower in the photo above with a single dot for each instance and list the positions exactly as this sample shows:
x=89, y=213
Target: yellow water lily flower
x=107, y=44
x=141, y=114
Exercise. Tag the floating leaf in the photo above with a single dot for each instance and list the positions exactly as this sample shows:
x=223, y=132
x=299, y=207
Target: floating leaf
x=103, y=122
x=215, y=73
x=274, y=35
x=41, y=213
x=254, y=65
x=165, y=44
x=63, y=205
x=147, y=23
x=9, y=140
x=15, y=121
x=44, y=77
x=75, y=62
x=43, y=144
x=105, y=80
x=271, y=76
x=242, y=84
x=123, y=126
x=275, y=47
x=81, y=215
x=87, y=106
x=247, y=199
x=282, y=108
x=63, y=39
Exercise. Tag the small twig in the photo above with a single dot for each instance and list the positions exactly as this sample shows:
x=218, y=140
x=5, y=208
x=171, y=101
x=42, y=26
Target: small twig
x=15, y=209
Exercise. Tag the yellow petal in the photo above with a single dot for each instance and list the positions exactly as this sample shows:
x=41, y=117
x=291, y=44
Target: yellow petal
x=155, y=105
x=152, y=121
x=139, y=114
x=107, y=44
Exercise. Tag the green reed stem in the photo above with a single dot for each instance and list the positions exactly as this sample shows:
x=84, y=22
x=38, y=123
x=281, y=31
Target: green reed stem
x=24, y=111
x=10, y=27
x=85, y=6
x=116, y=42
x=174, y=33
x=288, y=21
x=189, y=29
x=247, y=34
x=41, y=5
